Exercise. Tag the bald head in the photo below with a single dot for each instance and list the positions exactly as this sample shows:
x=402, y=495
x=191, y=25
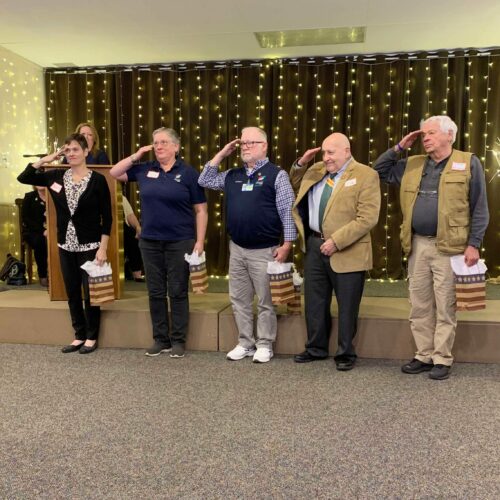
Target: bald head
x=336, y=151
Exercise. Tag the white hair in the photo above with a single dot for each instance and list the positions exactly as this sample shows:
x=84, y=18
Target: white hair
x=257, y=129
x=446, y=124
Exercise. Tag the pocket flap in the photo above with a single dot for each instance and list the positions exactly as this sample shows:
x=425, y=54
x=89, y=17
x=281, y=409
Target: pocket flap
x=458, y=220
x=455, y=178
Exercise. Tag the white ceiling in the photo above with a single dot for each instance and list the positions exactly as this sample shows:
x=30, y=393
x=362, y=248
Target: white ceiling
x=94, y=33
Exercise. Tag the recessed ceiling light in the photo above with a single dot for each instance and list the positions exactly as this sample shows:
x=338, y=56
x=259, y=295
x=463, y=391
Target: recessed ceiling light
x=318, y=36
x=64, y=65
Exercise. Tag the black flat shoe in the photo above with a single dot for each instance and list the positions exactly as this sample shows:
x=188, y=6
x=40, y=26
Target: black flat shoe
x=71, y=348
x=84, y=349
x=306, y=357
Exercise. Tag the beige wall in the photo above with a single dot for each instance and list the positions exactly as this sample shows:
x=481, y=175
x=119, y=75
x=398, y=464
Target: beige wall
x=22, y=131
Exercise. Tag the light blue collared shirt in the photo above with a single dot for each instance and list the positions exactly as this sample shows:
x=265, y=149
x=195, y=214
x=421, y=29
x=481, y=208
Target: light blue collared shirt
x=314, y=197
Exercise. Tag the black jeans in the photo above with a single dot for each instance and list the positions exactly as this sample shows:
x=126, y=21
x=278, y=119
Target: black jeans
x=167, y=273
x=38, y=242
x=319, y=282
x=86, y=324
x=131, y=249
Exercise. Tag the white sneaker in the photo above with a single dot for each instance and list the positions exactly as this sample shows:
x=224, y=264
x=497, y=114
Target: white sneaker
x=240, y=352
x=263, y=355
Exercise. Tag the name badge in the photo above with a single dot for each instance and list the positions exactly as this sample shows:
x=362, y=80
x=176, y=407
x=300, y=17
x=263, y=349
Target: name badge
x=350, y=182
x=247, y=187
x=56, y=187
x=458, y=166
x=152, y=174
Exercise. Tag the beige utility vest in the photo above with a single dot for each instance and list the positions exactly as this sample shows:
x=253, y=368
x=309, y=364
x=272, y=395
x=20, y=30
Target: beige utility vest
x=453, y=202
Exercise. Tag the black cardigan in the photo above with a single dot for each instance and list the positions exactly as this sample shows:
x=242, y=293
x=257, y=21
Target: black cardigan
x=92, y=217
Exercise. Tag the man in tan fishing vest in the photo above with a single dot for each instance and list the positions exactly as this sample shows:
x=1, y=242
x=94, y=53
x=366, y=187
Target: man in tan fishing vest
x=337, y=205
x=445, y=213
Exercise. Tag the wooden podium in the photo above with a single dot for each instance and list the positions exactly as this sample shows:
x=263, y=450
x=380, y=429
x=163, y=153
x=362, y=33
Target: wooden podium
x=57, y=290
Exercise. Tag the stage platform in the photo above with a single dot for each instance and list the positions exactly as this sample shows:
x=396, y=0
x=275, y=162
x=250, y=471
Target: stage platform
x=28, y=316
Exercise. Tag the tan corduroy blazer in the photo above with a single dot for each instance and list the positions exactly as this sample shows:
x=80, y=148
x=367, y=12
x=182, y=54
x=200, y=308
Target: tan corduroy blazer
x=351, y=213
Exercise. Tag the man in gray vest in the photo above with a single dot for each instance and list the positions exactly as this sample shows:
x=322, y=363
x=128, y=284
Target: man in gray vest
x=445, y=213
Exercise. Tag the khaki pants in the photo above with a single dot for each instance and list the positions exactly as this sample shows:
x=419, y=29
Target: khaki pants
x=433, y=302
x=248, y=277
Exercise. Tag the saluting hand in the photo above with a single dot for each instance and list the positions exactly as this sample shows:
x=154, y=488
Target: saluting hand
x=49, y=158
x=308, y=156
x=408, y=140
x=226, y=151
x=144, y=149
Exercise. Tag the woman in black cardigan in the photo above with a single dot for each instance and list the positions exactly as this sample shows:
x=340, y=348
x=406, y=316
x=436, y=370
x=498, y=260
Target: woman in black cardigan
x=83, y=206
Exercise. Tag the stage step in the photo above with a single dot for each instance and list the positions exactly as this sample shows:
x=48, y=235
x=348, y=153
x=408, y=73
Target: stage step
x=28, y=316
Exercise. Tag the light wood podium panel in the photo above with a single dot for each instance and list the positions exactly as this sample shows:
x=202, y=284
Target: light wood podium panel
x=57, y=291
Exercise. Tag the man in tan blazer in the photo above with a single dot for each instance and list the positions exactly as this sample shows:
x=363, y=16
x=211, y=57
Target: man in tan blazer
x=337, y=205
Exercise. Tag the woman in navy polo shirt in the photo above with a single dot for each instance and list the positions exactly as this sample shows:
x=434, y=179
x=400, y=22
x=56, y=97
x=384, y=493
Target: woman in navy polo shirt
x=169, y=192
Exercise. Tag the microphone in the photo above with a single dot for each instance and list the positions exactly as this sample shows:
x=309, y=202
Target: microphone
x=36, y=155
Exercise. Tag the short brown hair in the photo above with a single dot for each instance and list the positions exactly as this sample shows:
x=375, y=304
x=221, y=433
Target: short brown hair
x=79, y=138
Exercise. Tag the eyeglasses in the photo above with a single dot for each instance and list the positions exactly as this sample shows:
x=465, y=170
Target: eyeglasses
x=161, y=143
x=250, y=144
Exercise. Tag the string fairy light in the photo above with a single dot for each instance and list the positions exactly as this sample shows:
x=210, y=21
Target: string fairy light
x=138, y=134
x=279, y=121
x=445, y=100
x=298, y=108
x=218, y=136
x=334, y=109
x=317, y=98
x=350, y=85
x=236, y=125
x=105, y=102
x=428, y=89
x=468, y=123
x=199, y=105
x=485, y=100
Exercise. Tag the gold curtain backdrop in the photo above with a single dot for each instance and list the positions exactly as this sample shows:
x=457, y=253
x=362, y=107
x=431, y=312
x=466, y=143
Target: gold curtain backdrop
x=375, y=100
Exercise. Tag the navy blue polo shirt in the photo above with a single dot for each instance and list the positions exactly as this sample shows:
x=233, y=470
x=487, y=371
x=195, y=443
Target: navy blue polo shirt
x=167, y=200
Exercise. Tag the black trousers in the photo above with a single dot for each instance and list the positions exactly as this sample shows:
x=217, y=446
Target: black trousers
x=319, y=283
x=131, y=249
x=85, y=323
x=38, y=242
x=167, y=273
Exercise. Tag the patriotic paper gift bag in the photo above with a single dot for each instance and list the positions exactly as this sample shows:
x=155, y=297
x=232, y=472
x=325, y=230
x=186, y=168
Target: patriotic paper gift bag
x=197, y=272
x=470, y=284
x=101, y=289
x=294, y=307
x=281, y=282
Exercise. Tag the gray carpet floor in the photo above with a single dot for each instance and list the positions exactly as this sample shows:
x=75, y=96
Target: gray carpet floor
x=116, y=424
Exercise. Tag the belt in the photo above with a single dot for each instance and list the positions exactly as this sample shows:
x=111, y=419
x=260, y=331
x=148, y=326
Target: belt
x=317, y=235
